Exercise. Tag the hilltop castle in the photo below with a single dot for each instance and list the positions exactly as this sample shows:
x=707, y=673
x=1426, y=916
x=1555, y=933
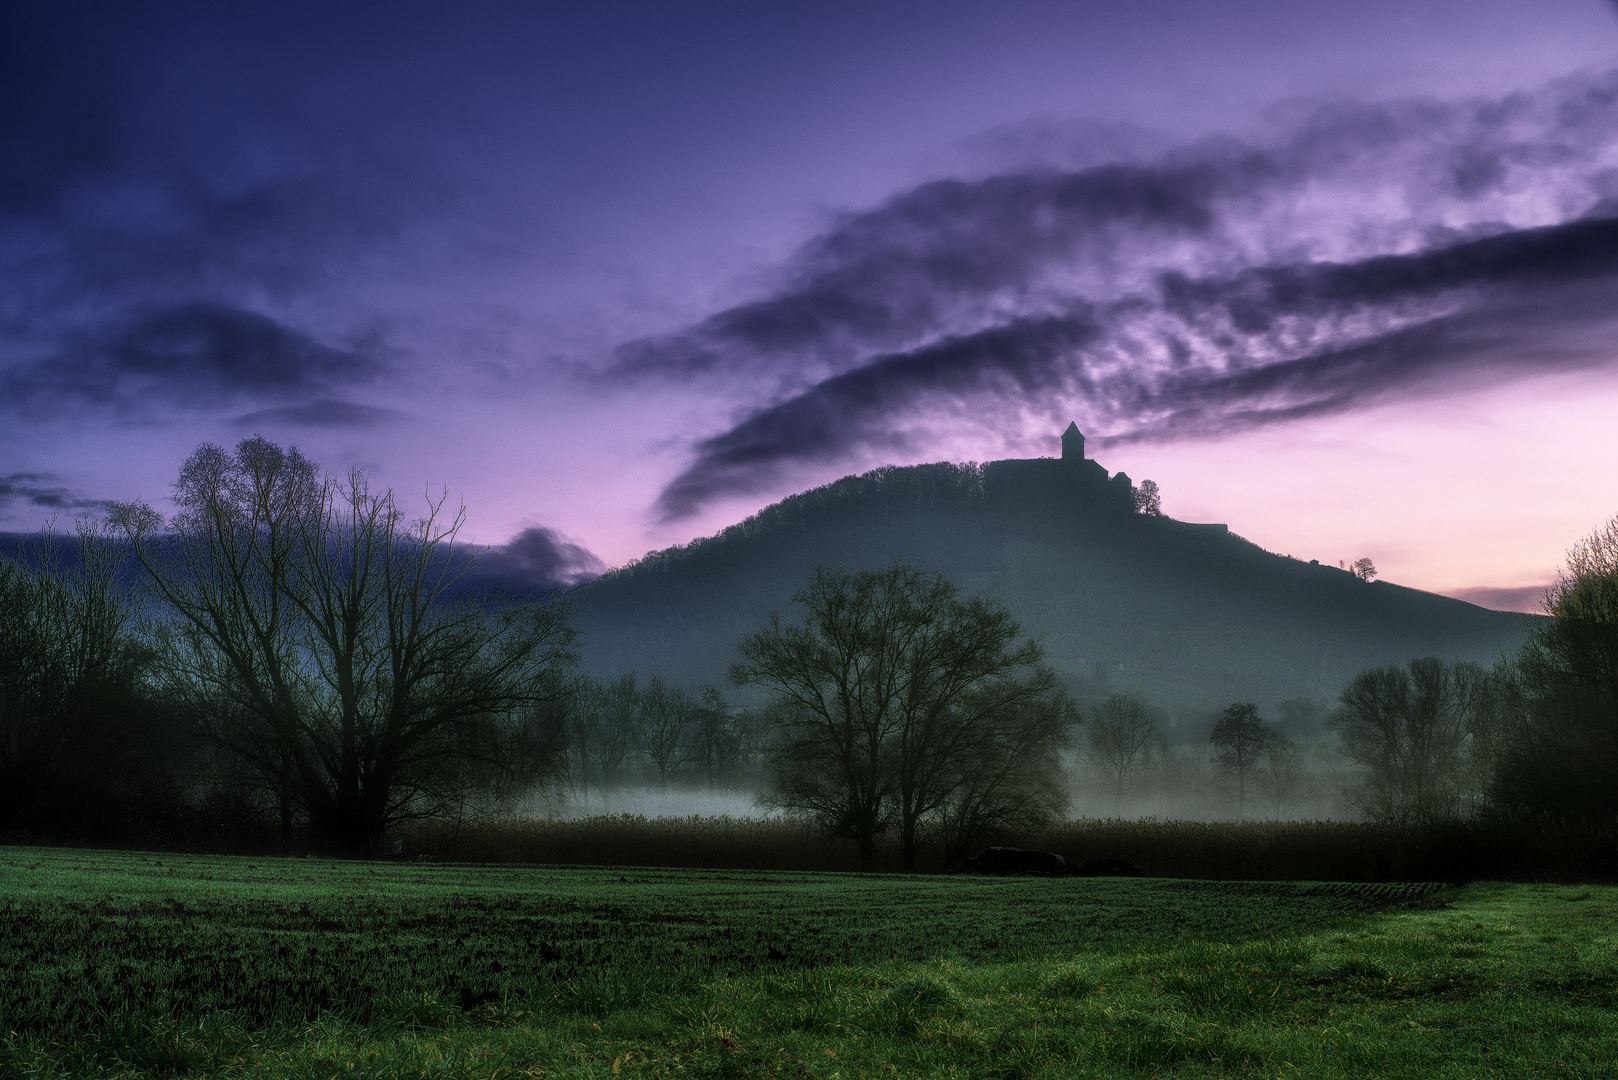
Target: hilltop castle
x=1071, y=480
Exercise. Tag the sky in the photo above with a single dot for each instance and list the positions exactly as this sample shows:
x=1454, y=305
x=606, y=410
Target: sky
x=1343, y=275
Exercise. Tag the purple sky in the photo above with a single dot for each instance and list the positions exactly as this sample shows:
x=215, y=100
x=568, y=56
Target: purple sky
x=1341, y=274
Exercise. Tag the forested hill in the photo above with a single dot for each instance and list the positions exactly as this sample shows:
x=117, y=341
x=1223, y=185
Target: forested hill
x=1190, y=617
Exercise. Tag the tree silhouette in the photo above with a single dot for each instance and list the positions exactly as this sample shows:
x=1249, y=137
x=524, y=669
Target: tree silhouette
x=1408, y=729
x=315, y=636
x=1558, y=698
x=1148, y=500
x=893, y=698
x=1240, y=740
x=1122, y=741
x=667, y=712
x=78, y=721
x=1280, y=777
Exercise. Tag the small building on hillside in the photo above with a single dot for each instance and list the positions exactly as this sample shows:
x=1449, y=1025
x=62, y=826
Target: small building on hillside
x=1070, y=481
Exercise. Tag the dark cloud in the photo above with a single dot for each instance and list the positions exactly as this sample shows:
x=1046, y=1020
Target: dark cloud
x=60, y=121
x=884, y=277
x=536, y=560
x=323, y=414
x=1521, y=295
x=20, y=492
x=857, y=407
x=193, y=355
x=1254, y=300
x=151, y=185
x=1370, y=251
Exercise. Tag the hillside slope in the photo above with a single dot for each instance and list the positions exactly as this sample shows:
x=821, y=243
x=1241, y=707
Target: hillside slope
x=1189, y=616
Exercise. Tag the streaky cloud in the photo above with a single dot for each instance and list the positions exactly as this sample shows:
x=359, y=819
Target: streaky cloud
x=325, y=413
x=41, y=491
x=855, y=408
x=1522, y=297
x=883, y=277
x=1368, y=251
x=194, y=355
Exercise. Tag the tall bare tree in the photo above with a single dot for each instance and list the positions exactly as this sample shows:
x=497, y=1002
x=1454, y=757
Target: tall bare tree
x=1280, y=776
x=1408, y=729
x=667, y=712
x=1016, y=782
x=1122, y=742
x=582, y=717
x=618, y=731
x=313, y=622
x=884, y=697
x=717, y=738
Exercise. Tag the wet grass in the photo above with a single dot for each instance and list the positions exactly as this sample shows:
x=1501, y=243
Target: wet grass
x=714, y=974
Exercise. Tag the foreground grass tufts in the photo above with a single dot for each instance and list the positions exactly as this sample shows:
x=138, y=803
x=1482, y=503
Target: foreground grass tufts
x=1487, y=980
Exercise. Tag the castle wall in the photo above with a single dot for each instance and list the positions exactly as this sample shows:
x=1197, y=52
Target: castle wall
x=1056, y=484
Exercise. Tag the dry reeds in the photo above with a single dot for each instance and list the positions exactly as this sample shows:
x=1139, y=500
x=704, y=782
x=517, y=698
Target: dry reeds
x=715, y=843
x=1495, y=848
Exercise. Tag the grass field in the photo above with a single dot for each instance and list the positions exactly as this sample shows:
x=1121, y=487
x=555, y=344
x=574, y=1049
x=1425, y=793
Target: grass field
x=132, y=964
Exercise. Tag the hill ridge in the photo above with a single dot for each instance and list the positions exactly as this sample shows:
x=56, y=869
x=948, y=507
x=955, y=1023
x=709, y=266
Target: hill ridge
x=1189, y=615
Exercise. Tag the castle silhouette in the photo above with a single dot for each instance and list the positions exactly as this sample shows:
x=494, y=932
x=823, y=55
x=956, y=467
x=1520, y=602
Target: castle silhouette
x=1071, y=480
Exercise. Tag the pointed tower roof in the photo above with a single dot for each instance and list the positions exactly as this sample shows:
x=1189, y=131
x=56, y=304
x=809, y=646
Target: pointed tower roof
x=1072, y=443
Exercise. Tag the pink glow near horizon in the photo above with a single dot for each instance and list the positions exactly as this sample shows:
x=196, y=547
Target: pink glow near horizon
x=1460, y=495
x=1473, y=493
x=1342, y=275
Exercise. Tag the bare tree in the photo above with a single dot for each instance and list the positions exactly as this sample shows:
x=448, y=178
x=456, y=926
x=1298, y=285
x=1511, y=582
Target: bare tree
x=716, y=737
x=667, y=711
x=583, y=707
x=1122, y=743
x=1240, y=740
x=318, y=617
x=1280, y=776
x=883, y=698
x=1408, y=729
x=1016, y=782
x=618, y=731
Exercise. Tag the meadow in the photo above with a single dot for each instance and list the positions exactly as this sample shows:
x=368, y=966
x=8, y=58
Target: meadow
x=138, y=964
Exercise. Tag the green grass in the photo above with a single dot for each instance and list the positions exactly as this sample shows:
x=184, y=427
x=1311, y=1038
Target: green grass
x=111, y=964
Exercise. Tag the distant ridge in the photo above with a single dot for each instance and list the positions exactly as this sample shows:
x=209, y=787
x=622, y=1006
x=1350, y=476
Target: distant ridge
x=1190, y=616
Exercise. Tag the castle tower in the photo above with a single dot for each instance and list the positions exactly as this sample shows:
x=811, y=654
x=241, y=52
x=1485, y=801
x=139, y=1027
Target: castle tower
x=1072, y=443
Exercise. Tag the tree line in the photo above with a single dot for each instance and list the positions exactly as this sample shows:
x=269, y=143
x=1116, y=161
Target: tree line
x=302, y=658
x=1432, y=740
x=654, y=733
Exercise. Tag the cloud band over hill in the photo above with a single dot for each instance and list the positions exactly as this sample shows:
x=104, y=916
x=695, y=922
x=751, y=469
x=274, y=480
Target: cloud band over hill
x=1370, y=251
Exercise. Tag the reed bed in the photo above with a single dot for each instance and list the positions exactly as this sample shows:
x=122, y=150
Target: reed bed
x=713, y=843
x=1479, y=849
